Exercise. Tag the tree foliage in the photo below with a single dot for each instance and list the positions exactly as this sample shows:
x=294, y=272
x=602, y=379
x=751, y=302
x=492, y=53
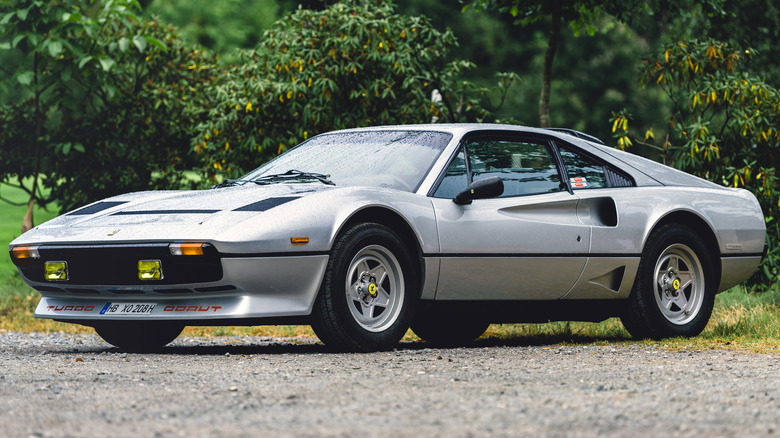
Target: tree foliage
x=221, y=26
x=724, y=126
x=140, y=140
x=351, y=64
x=105, y=104
x=62, y=62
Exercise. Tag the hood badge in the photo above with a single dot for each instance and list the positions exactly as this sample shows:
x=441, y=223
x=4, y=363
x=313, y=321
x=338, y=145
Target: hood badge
x=111, y=233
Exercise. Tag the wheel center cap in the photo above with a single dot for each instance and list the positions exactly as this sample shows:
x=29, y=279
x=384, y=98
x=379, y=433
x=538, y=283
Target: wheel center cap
x=372, y=289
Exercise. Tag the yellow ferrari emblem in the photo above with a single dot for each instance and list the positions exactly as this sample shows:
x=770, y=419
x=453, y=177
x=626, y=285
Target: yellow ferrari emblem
x=372, y=289
x=676, y=283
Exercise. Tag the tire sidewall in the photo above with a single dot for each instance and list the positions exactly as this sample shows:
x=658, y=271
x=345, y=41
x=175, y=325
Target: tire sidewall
x=347, y=246
x=663, y=239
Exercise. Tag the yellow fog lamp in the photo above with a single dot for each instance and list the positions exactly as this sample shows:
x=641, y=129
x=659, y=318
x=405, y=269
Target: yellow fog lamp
x=25, y=252
x=149, y=270
x=187, y=249
x=55, y=271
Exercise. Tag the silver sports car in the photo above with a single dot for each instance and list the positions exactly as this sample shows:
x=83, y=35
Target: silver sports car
x=365, y=233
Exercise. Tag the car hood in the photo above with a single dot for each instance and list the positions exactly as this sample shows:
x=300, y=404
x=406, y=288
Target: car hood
x=147, y=216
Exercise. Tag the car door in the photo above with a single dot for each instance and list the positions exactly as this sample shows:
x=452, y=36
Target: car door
x=528, y=243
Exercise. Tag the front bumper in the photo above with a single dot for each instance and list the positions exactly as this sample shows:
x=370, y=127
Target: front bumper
x=249, y=288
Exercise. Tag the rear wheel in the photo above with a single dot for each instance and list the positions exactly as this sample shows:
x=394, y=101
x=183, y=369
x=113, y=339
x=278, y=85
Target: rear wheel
x=139, y=336
x=368, y=295
x=674, y=291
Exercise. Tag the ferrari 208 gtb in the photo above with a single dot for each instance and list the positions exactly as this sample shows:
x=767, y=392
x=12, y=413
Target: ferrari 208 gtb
x=365, y=233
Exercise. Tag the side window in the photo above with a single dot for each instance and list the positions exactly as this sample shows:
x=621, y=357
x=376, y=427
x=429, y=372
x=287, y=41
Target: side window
x=525, y=168
x=584, y=172
x=455, y=180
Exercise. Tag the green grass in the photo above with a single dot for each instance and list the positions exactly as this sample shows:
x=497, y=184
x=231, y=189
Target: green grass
x=11, y=224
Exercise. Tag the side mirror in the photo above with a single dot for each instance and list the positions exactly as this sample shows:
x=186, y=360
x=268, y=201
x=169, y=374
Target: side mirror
x=489, y=187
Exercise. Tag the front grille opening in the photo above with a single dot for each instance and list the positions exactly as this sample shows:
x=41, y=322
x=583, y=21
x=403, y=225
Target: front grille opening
x=48, y=289
x=174, y=291
x=127, y=292
x=78, y=290
x=224, y=288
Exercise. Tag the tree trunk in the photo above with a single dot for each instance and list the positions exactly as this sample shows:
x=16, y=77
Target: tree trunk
x=549, y=57
x=28, y=223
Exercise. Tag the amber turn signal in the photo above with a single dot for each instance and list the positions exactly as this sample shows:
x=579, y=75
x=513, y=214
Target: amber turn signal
x=187, y=249
x=25, y=252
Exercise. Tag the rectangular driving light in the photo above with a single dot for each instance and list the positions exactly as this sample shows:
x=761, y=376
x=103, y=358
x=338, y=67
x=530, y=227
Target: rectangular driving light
x=25, y=252
x=150, y=270
x=55, y=271
x=187, y=249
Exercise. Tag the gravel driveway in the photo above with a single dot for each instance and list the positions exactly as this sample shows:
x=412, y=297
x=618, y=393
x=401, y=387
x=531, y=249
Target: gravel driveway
x=56, y=384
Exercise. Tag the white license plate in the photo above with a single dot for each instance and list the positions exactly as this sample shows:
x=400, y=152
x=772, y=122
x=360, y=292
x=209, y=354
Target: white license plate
x=127, y=309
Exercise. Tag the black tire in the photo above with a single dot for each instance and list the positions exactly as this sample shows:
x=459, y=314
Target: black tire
x=139, y=336
x=448, y=330
x=674, y=291
x=354, y=311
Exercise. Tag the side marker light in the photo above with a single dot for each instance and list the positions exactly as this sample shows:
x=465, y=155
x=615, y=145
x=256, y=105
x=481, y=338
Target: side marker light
x=299, y=240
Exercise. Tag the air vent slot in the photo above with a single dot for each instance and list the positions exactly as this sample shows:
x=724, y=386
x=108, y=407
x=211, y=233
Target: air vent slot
x=615, y=179
x=267, y=204
x=95, y=208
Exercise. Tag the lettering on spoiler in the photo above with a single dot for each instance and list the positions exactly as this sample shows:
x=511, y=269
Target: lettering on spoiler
x=191, y=308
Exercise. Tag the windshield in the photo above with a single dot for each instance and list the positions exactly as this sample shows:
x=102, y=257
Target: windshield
x=394, y=159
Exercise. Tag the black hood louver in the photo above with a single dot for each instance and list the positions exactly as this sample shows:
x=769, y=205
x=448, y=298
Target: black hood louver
x=267, y=204
x=96, y=208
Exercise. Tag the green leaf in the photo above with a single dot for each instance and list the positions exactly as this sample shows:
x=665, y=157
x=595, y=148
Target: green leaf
x=22, y=13
x=17, y=39
x=7, y=18
x=66, y=148
x=155, y=42
x=55, y=48
x=25, y=78
x=79, y=147
x=74, y=17
x=84, y=60
x=107, y=63
x=5, y=46
x=140, y=43
x=124, y=43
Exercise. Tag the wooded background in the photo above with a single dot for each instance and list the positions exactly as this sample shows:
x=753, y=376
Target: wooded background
x=100, y=97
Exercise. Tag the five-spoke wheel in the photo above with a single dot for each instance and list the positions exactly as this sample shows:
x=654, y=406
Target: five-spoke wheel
x=367, y=298
x=375, y=288
x=674, y=290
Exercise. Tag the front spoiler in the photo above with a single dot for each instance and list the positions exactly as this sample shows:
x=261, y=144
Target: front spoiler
x=261, y=287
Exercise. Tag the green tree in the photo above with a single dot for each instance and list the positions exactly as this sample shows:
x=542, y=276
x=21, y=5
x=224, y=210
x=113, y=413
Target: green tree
x=723, y=127
x=351, y=64
x=61, y=72
x=221, y=26
x=111, y=102
x=581, y=16
x=140, y=140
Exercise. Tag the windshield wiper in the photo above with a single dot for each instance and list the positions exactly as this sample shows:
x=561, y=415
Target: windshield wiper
x=293, y=174
x=229, y=183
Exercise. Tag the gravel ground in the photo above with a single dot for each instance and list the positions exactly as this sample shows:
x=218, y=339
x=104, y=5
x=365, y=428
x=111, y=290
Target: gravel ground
x=57, y=384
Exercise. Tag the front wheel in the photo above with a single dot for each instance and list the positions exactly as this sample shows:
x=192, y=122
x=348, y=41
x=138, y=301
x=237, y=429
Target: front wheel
x=139, y=336
x=675, y=287
x=367, y=298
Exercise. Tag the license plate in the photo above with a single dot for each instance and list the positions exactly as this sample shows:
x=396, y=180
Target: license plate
x=127, y=309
